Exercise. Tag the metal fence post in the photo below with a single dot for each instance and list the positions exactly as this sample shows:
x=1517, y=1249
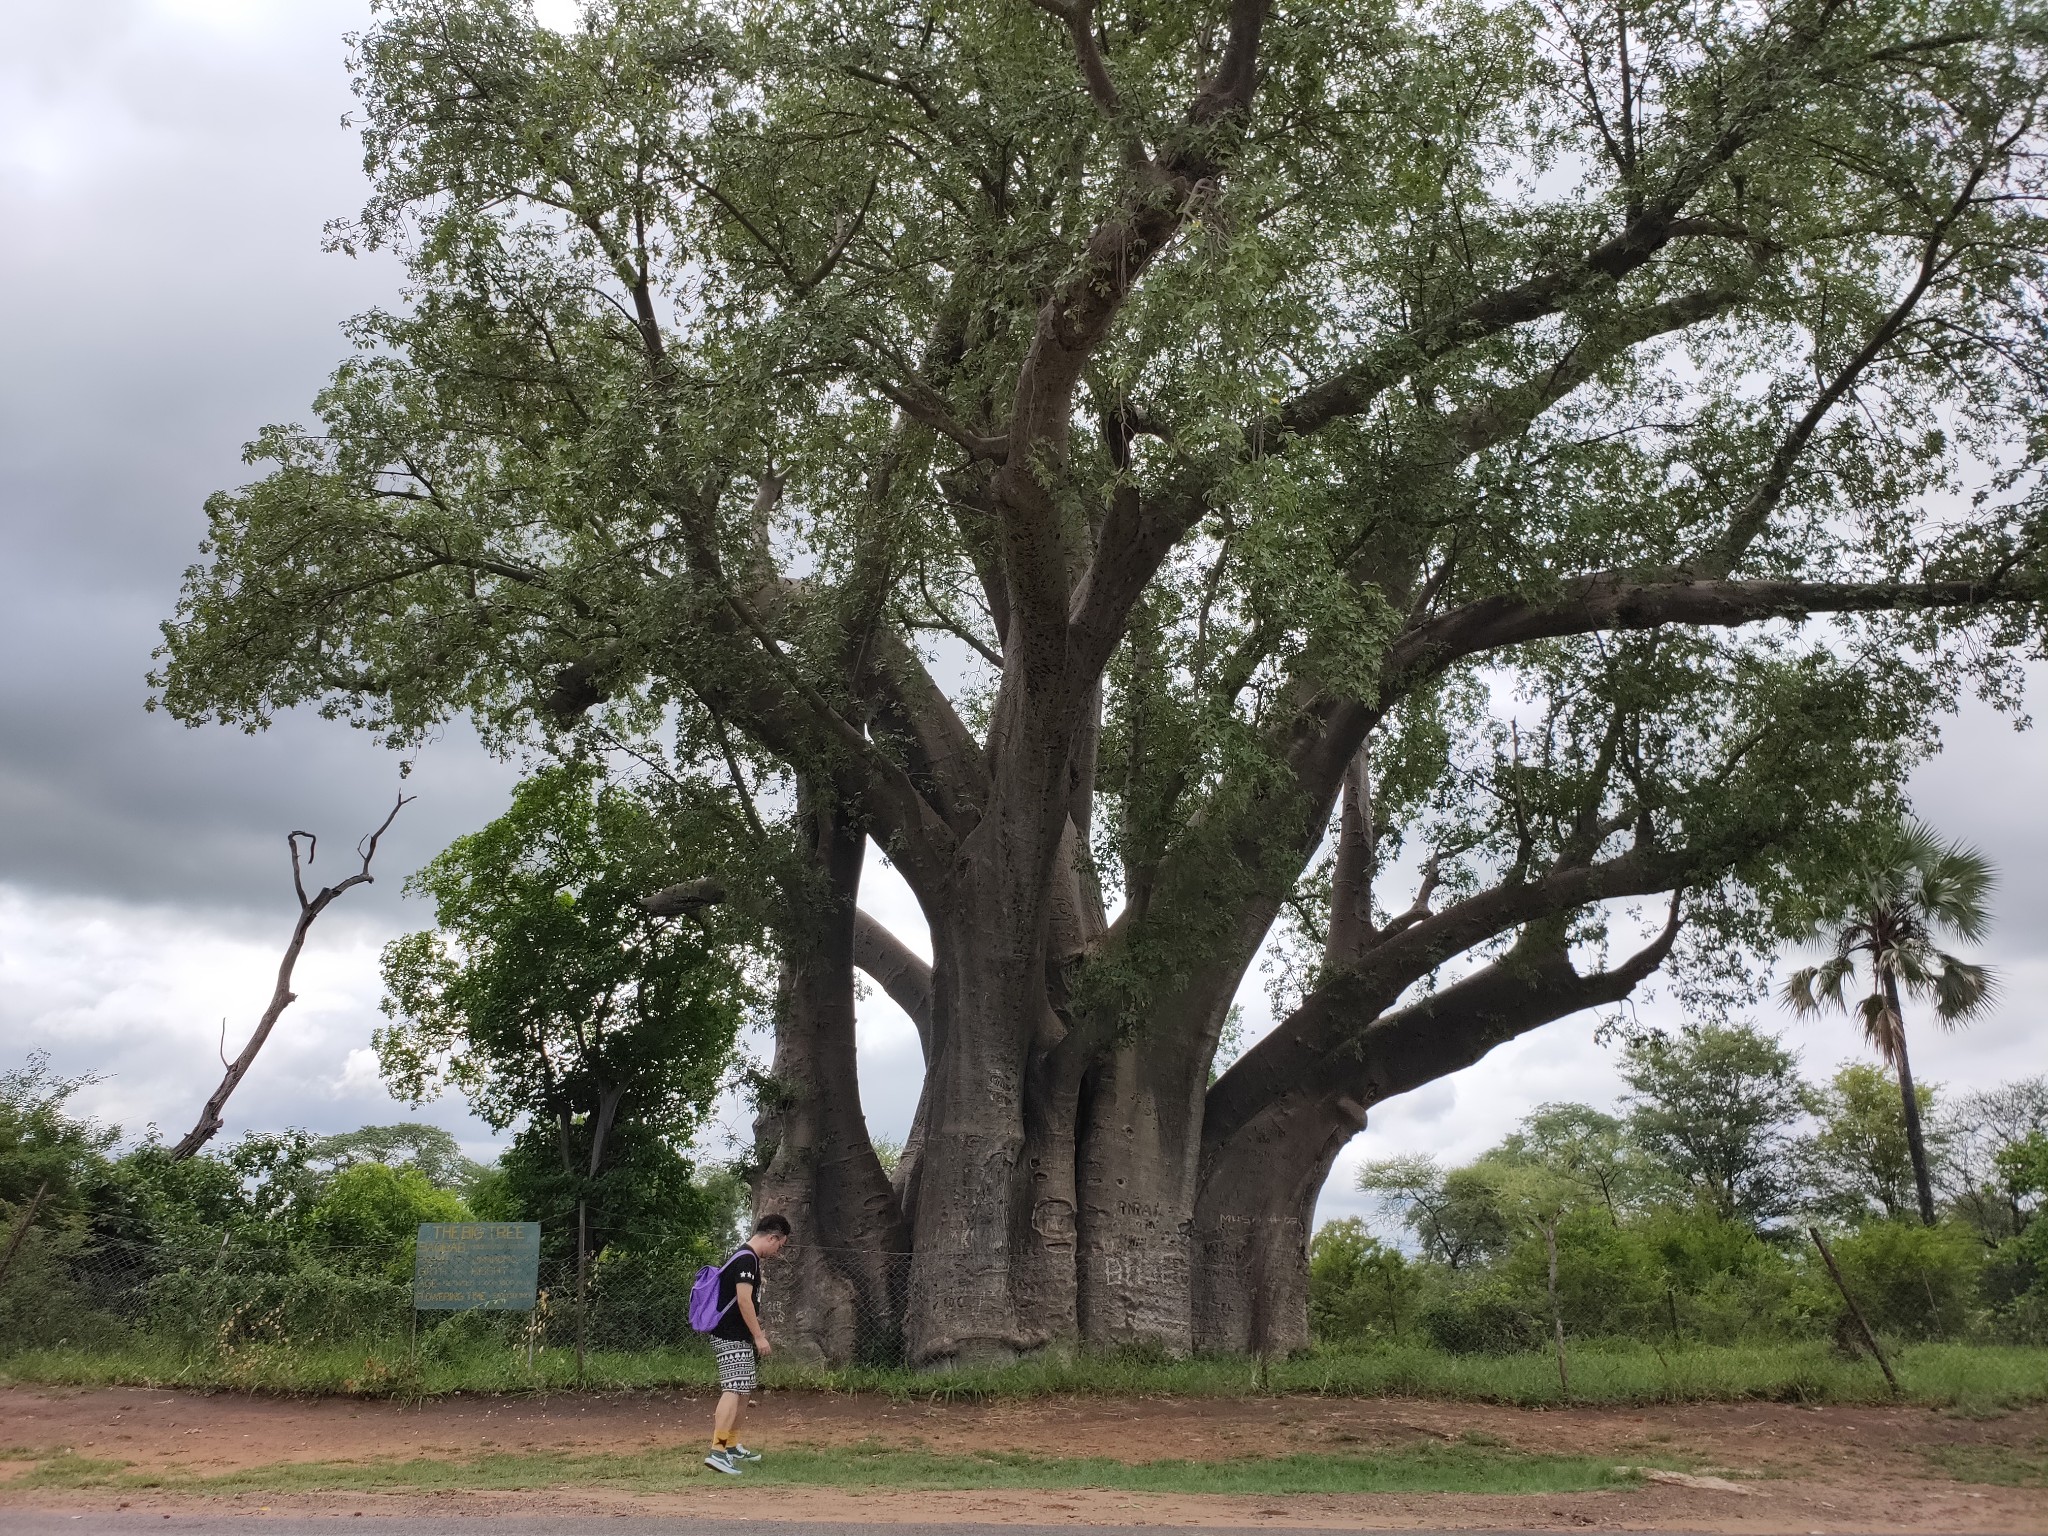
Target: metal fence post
x=582, y=1288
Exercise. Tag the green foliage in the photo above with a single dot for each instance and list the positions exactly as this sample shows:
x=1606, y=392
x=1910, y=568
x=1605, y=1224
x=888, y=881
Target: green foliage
x=2024, y=1166
x=44, y=1148
x=1912, y=1280
x=1455, y=1214
x=1859, y=1157
x=1987, y=1186
x=671, y=259
x=1607, y=1279
x=1907, y=891
x=253, y=1193
x=550, y=995
x=1590, y=1152
x=649, y=1196
x=1716, y=1105
x=2022, y=1260
x=412, y=1144
x=1359, y=1288
x=369, y=1215
x=1480, y=1320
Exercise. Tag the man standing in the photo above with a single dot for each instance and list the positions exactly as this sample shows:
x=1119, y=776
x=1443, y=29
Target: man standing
x=738, y=1339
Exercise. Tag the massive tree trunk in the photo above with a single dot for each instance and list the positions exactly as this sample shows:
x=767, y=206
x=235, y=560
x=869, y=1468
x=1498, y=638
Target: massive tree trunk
x=1253, y=1217
x=840, y=1297
x=1140, y=1129
x=1262, y=1169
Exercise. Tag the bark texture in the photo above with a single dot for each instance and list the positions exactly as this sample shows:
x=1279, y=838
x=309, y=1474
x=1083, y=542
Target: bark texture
x=839, y=1299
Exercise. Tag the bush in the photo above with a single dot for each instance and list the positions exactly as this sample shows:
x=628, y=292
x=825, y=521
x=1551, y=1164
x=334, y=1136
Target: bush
x=1358, y=1287
x=1606, y=1279
x=275, y=1298
x=1914, y=1281
x=368, y=1217
x=1486, y=1320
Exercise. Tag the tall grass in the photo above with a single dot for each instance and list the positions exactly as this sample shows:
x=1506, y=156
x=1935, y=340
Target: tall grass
x=1617, y=1372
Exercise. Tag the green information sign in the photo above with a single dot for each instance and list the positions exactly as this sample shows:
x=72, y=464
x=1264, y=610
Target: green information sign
x=461, y=1266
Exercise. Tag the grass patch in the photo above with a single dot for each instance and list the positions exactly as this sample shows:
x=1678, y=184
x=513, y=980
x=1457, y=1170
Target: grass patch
x=2006, y=1466
x=1460, y=1468
x=1970, y=1377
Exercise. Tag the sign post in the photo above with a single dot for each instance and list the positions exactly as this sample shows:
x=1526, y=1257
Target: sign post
x=476, y=1266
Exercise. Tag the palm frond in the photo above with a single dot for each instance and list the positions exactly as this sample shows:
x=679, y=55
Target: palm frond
x=1955, y=891
x=1963, y=991
x=1881, y=1027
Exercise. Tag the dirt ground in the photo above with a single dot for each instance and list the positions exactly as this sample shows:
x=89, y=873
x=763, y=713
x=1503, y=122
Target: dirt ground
x=1781, y=1468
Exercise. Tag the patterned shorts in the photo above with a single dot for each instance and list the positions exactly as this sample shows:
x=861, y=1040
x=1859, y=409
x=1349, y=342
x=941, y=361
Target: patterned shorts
x=735, y=1365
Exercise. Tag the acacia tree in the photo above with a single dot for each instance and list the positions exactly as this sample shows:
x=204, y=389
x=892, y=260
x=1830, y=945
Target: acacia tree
x=1148, y=467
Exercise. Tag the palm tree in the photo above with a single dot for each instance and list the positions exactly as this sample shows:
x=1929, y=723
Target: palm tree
x=1910, y=890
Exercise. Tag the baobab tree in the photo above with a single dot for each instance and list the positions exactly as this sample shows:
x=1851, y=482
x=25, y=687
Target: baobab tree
x=1437, y=473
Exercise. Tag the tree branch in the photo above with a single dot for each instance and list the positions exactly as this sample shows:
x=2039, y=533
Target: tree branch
x=1612, y=600
x=1079, y=17
x=897, y=970
x=282, y=996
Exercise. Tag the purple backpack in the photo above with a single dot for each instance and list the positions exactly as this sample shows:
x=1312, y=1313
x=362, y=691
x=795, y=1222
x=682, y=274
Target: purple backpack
x=704, y=1308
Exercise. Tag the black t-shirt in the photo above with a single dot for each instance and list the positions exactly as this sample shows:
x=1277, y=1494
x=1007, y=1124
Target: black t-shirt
x=742, y=1266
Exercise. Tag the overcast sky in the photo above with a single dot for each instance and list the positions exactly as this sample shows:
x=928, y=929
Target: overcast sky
x=165, y=169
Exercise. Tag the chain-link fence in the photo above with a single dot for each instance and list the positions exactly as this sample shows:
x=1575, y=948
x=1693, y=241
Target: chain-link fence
x=89, y=1294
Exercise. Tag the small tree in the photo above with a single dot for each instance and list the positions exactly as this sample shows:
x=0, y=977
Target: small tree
x=1454, y=1213
x=430, y=1149
x=1910, y=890
x=1586, y=1148
x=1358, y=1286
x=550, y=993
x=1990, y=1126
x=1859, y=1156
x=1716, y=1104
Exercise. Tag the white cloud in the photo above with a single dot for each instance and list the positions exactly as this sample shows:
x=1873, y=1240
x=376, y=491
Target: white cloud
x=143, y=997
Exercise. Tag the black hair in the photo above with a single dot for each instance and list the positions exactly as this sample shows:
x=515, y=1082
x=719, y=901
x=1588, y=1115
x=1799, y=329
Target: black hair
x=773, y=1225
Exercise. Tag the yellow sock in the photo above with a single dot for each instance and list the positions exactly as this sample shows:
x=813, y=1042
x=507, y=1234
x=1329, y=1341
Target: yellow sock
x=721, y=1441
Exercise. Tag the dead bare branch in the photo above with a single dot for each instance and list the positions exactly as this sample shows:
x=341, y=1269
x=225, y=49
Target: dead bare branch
x=282, y=997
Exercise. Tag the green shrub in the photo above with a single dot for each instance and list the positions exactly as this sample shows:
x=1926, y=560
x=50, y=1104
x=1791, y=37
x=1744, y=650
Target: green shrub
x=41, y=1301
x=1358, y=1287
x=1486, y=1320
x=1914, y=1281
x=279, y=1299
x=368, y=1217
x=1606, y=1278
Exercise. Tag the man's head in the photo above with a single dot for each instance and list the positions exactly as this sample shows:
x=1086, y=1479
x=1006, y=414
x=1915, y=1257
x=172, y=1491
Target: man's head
x=770, y=1233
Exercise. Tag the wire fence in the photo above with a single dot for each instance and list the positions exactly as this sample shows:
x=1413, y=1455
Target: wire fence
x=72, y=1290
x=279, y=1309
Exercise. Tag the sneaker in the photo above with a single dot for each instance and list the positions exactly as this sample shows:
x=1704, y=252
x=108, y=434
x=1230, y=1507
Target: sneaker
x=737, y=1453
x=721, y=1461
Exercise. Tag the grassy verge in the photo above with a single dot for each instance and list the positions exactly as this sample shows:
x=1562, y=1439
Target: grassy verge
x=2006, y=1466
x=1424, y=1469
x=1947, y=1375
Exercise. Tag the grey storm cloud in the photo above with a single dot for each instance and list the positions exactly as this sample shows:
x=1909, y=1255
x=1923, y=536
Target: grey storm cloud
x=166, y=172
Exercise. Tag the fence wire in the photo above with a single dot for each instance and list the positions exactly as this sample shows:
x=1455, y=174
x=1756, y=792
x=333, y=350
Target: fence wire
x=73, y=1290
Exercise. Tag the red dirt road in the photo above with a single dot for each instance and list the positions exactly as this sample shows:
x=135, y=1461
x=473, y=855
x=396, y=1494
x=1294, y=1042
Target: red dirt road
x=1793, y=1469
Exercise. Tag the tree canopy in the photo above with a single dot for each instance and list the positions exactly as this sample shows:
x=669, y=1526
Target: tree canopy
x=555, y=1000
x=1150, y=468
